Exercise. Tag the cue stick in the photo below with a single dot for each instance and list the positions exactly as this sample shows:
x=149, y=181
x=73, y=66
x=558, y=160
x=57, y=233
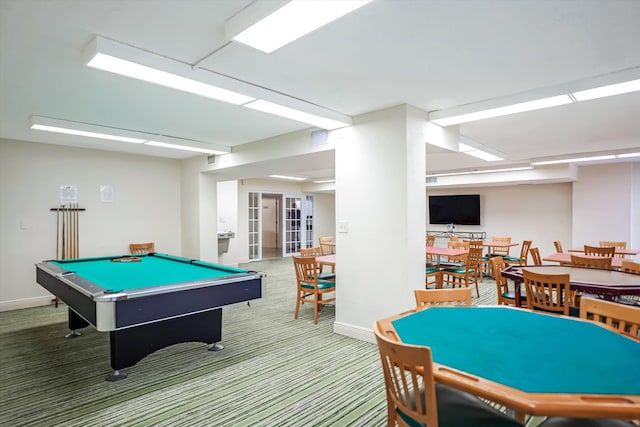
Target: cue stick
x=73, y=231
x=57, y=231
x=64, y=231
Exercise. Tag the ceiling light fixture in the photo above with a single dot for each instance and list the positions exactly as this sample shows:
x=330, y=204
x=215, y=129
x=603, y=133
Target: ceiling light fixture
x=292, y=178
x=609, y=90
x=101, y=57
x=574, y=160
x=475, y=152
x=265, y=29
x=88, y=134
x=324, y=181
x=626, y=155
x=124, y=135
x=115, y=57
x=504, y=111
x=293, y=114
x=520, y=168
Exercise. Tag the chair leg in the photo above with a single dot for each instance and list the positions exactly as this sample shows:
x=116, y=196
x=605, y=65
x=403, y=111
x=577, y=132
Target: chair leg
x=297, y=305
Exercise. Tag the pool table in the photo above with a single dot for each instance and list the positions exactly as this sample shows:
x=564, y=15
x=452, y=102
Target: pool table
x=147, y=302
x=533, y=363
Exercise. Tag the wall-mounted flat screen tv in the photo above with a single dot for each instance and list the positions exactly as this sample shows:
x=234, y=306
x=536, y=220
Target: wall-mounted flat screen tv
x=462, y=209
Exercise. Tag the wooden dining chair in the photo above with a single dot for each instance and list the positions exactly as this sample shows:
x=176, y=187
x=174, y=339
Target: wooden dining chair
x=430, y=241
x=500, y=251
x=548, y=292
x=629, y=266
x=535, y=256
x=505, y=296
x=624, y=318
x=327, y=249
x=558, y=246
x=615, y=245
x=415, y=399
x=448, y=296
x=315, y=252
x=602, y=262
x=466, y=274
x=141, y=248
x=457, y=244
x=524, y=255
x=310, y=288
x=599, y=251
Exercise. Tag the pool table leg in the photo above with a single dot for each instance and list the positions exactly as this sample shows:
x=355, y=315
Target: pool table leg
x=75, y=322
x=130, y=345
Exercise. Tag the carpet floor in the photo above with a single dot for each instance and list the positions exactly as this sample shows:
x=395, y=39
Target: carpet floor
x=274, y=370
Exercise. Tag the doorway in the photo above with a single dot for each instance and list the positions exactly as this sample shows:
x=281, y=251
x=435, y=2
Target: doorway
x=271, y=227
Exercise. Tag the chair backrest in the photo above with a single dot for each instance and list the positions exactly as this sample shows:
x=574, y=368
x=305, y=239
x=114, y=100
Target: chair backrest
x=306, y=268
x=453, y=238
x=326, y=249
x=141, y=248
x=601, y=262
x=498, y=250
x=629, y=266
x=558, y=246
x=547, y=292
x=448, y=296
x=311, y=251
x=616, y=245
x=408, y=378
x=535, y=256
x=599, y=251
x=457, y=244
x=524, y=252
x=475, y=257
x=497, y=265
x=430, y=240
x=621, y=317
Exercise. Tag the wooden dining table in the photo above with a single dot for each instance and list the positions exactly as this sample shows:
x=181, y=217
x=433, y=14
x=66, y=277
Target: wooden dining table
x=609, y=284
x=582, y=369
x=565, y=258
x=329, y=260
x=438, y=252
x=618, y=251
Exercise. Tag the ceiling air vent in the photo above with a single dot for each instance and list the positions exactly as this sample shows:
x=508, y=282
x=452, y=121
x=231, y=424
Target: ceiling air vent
x=432, y=180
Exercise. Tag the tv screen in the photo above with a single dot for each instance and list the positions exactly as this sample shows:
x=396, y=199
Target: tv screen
x=461, y=209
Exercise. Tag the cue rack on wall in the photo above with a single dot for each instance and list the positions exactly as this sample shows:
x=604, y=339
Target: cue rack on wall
x=67, y=232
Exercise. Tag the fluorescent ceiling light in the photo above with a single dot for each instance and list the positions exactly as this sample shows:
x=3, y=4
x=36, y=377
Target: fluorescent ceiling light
x=475, y=152
x=574, y=160
x=300, y=116
x=520, y=168
x=181, y=147
x=163, y=78
x=115, y=134
x=292, y=178
x=504, y=111
x=610, y=90
x=625, y=155
x=84, y=133
x=292, y=21
x=324, y=181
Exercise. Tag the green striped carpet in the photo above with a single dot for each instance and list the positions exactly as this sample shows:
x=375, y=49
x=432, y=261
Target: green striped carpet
x=274, y=370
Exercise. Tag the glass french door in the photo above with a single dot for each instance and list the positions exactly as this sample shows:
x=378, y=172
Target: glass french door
x=255, y=226
x=297, y=223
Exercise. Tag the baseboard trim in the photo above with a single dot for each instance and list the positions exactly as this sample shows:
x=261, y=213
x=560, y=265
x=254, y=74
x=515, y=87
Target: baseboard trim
x=357, y=332
x=25, y=303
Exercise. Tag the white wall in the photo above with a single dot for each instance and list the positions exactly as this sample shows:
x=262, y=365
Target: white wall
x=146, y=207
x=605, y=204
x=541, y=213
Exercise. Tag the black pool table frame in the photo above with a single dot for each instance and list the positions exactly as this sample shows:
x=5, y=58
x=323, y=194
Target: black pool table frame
x=144, y=321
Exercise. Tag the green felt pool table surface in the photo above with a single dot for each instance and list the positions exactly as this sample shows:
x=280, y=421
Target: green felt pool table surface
x=151, y=271
x=528, y=351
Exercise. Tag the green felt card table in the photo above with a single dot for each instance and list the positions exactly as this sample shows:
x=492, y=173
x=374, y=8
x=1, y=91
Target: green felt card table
x=149, y=303
x=532, y=363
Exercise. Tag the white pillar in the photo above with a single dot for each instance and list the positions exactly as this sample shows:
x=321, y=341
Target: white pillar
x=380, y=202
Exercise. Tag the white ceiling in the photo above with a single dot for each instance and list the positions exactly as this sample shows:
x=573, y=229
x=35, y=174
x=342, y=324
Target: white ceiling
x=428, y=53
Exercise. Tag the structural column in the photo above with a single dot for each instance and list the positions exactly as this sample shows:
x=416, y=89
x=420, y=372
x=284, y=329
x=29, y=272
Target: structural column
x=380, y=215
